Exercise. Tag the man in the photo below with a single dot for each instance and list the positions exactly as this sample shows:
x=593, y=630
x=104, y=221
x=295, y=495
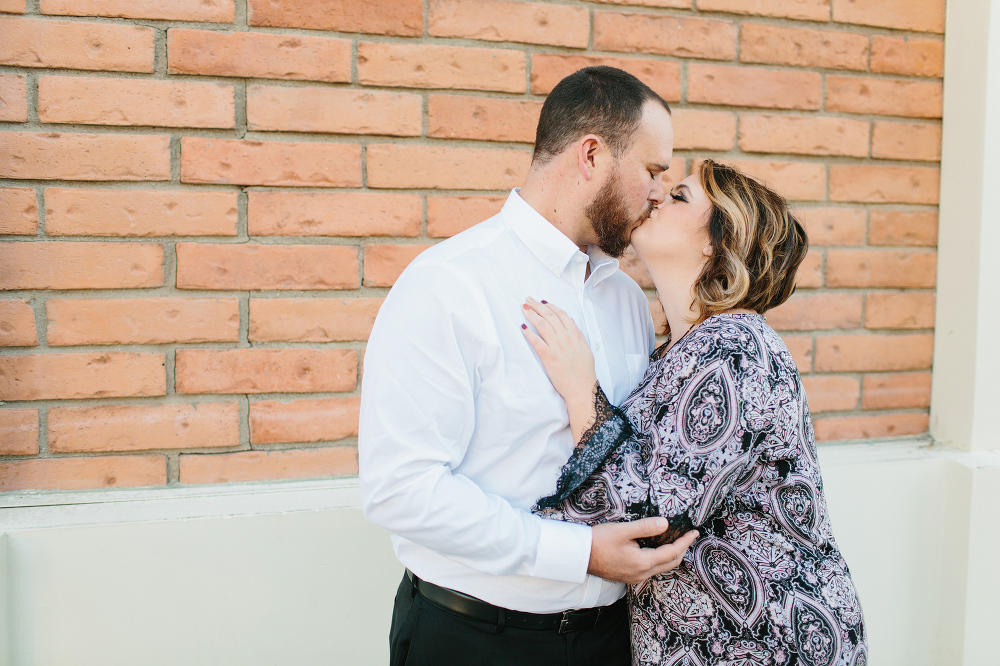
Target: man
x=461, y=431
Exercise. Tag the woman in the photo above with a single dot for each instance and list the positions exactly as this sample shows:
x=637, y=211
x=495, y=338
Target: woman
x=716, y=437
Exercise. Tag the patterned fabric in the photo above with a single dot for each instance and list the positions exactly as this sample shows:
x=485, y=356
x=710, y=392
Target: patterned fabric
x=718, y=436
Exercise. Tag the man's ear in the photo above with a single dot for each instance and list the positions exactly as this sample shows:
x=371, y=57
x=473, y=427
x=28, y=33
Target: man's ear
x=589, y=153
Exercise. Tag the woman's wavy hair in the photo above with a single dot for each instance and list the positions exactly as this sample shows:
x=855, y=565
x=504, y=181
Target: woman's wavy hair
x=757, y=244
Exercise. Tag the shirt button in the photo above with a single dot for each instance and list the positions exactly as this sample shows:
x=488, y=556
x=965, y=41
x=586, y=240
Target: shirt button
x=597, y=346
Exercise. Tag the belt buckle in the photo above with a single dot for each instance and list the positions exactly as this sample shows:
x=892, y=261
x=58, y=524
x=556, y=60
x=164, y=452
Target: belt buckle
x=565, y=622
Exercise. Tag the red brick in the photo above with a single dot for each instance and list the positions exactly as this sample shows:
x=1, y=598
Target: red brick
x=18, y=211
x=274, y=213
x=32, y=42
x=248, y=266
x=894, y=227
x=665, y=35
x=268, y=465
x=801, y=349
x=798, y=181
x=17, y=324
x=385, y=17
x=806, y=312
x=446, y=167
x=142, y=321
x=900, y=310
x=869, y=427
x=502, y=21
x=833, y=226
x=633, y=267
x=827, y=393
x=144, y=427
x=39, y=155
x=75, y=376
x=676, y=172
x=66, y=265
x=810, y=273
x=922, y=15
x=18, y=432
x=810, y=10
x=801, y=47
x=258, y=55
x=880, y=268
x=312, y=319
x=384, y=262
x=906, y=141
x=80, y=473
x=548, y=69
x=874, y=353
x=678, y=4
x=438, y=66
x=300, y=109
x=14, y=98
x=205, y=11
x=327, y=419
x=907, y=56
x=886, y=97
x=108, y=101
x=879, y=184
x=897, y=390
x=695, y=129
x=482, y=118
x=240, y=162
x=266, y=370
x=803, y=135
x=449, y=215
x=83, y=212
x=753, y=86
x=12, y=6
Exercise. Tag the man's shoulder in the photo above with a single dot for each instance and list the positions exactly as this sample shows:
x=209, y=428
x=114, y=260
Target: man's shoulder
x=467, y=249
x=625, y=286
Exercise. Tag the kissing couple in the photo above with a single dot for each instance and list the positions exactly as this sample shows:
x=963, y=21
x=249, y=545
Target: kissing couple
x=560, y=488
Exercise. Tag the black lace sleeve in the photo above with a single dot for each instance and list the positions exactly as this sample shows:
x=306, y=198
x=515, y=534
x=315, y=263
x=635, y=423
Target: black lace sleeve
x=610, y=429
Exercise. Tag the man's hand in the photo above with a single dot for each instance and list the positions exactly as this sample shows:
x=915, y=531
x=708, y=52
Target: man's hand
x=614, y=554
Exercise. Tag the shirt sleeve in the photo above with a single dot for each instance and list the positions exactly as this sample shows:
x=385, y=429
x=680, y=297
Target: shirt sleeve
x=417, y=419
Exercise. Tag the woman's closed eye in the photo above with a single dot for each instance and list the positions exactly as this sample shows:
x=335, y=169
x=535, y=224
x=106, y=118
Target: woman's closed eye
x=678, y=197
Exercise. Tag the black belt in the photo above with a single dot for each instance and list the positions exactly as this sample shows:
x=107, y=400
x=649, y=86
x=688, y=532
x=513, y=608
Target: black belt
x=477, y=609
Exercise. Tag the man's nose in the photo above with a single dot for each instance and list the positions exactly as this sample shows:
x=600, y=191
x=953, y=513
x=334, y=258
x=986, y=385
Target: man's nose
x=659, y=193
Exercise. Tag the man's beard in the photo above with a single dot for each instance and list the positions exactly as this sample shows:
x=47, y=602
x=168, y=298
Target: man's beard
x=609, y=216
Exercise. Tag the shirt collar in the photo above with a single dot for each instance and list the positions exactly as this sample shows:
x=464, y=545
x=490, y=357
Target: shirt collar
x=551, y=246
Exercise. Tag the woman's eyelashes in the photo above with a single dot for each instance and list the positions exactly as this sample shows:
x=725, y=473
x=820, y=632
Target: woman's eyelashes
x=677, y=197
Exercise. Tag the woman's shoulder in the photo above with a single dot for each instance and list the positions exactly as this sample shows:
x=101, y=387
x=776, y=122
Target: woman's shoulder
x=747, y=337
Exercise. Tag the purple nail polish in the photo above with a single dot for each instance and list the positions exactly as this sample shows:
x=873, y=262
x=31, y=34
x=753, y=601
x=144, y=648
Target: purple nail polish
x=524, y=326
x=545, y=302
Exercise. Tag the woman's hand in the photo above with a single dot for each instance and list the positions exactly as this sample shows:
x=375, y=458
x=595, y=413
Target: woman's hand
x=567, y=359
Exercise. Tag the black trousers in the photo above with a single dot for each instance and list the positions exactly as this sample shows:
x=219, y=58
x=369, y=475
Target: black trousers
x=425, y=634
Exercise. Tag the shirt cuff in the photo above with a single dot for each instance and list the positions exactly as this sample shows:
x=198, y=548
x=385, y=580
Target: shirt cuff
x=563, y=551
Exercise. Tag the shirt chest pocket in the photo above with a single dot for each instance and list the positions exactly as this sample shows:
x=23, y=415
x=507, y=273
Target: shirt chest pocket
x=636, y=364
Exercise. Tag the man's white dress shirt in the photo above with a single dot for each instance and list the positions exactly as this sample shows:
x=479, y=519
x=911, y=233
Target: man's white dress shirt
x=461, y=430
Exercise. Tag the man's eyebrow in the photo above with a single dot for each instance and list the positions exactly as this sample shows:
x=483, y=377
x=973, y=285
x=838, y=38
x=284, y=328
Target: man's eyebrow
x=661, y=167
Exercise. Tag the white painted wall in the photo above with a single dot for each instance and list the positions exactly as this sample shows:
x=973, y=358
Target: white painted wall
x=291, y=573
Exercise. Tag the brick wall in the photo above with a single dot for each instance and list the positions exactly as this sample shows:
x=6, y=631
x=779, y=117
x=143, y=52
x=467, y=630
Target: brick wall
x=204, y=202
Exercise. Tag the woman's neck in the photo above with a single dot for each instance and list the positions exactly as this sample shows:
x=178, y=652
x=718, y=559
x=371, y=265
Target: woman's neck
x=675, y=290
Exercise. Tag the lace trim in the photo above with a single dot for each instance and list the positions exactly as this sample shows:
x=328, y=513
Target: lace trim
x=609, y=431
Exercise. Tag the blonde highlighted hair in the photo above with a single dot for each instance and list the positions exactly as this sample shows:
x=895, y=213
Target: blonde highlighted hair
x=757, y=244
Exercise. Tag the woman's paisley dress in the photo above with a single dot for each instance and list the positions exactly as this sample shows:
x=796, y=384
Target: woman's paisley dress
x=718, y=436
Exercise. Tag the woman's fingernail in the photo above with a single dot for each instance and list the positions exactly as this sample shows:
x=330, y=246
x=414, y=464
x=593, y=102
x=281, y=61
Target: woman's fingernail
x=525, y=306
x=545, y=302
x=524, y=326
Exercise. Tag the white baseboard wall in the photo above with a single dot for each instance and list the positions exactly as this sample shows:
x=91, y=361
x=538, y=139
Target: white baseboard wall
x=291, y=573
